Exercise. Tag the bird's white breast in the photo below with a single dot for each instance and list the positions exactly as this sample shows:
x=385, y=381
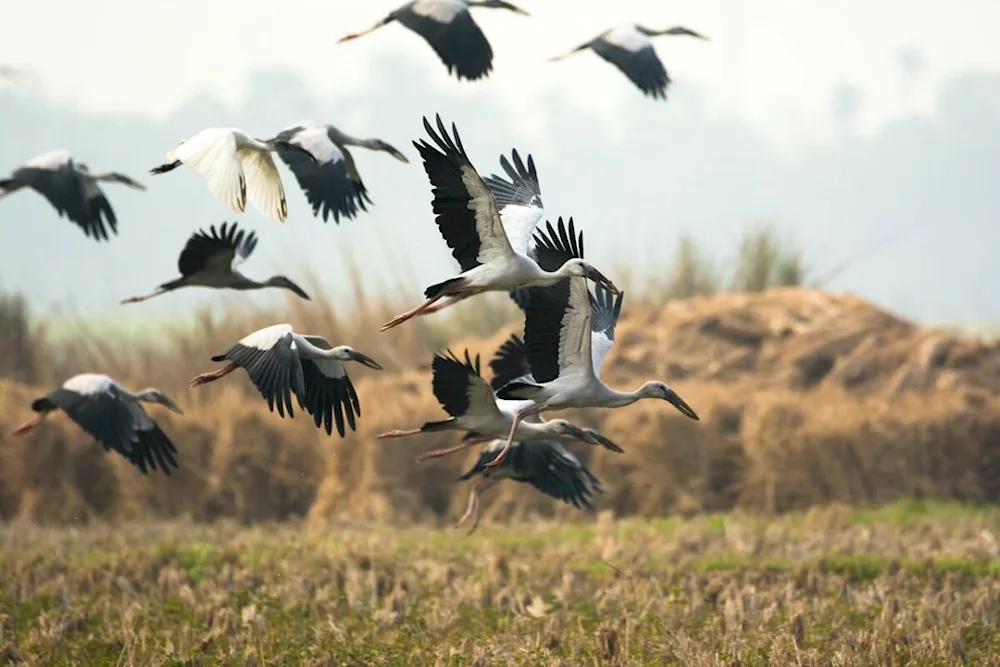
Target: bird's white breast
x=88, y=384
x=50, y=160
x=439, y=10
x=627, y=37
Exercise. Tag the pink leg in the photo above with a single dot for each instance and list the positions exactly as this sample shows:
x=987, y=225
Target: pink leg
x=518, y=416
x=30, y=424
x=444, y=452
x=398, y=433
x=413, y=312
x=472, y=511
x=212, y=376
x=441, y=306
x=137, y=299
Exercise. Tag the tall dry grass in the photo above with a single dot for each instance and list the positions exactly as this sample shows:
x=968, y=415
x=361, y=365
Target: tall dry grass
x=855, y=409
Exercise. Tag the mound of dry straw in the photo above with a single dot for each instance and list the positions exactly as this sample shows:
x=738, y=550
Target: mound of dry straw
x=806, y=397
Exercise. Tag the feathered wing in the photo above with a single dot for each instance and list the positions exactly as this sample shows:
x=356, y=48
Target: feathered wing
x=270, y=357
x=216, y=249
x=467, y=215
x=519, y=201
x=110, y=419
x=264, y=188
x=212, y=154
x=605, y=309
x=326, y=182
x=509, y=363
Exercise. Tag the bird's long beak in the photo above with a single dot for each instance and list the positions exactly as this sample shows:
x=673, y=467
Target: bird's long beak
x=602, y=280
x=365, y=360
x=674, y=399
x=595, y=438
x=518, y=10
x=170, y=405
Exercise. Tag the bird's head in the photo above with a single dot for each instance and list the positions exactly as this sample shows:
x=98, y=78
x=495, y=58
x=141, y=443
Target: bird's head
x=282, y=281
x=499, y=4
x=580, y=268
x=656, y=389
x=345, y=353
x=154, y=395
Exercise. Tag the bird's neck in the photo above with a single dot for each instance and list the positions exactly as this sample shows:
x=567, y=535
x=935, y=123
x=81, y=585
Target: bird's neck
x=618, y=399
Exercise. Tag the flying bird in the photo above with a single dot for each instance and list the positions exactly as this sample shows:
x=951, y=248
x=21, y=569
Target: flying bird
x=330, y=179
x=114, y=417
x=236, y=167
x=448, y=27
x=281, y=362
x=71, y=189
x=629, y=48
x=469, y=221
x=471, y=406
x=568, y=333
x=544, y=464
x=210, y=260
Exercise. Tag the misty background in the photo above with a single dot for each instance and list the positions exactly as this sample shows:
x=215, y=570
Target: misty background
x=866, y=133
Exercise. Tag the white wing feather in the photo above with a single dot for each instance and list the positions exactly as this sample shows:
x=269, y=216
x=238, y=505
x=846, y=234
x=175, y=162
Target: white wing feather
x=519, y=222
x=263, y=184
x=317, y=141
x=50, y=160
x=575, y=336
x=212, y=154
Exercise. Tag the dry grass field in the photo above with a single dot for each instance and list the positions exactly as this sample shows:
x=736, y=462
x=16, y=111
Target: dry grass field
x=910, y=584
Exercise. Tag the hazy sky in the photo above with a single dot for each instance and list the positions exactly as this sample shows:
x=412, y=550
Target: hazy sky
x=843, y=123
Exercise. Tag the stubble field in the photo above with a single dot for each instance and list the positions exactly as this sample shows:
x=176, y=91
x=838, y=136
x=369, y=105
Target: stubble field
x=911, y=583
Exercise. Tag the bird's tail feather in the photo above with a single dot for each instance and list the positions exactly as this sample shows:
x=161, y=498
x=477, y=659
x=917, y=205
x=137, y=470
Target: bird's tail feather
x=43, y=404
x=164, y=168
x=518, y=390
x=441, y=289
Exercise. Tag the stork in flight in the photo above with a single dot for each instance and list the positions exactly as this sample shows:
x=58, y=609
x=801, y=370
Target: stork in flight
x=544, y=464
x=281, y=362
x=330, y=180
x=568, y=333
x=472, y=406
x=236, y=167
x=71, y=189
x=469, y=221
x=114, y=417
x=629, y=48
x=449, y=28
x=210, y=260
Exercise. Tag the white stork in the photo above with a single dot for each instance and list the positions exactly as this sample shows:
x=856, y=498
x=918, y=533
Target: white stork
x=629, y=48
x=544, y=464
x=211, y=261
x=568, y=332
x=470, y=223
x=449, y=28
x=114, y=417
x=469, y=400
x=236, y=167
x=330, y=180
x=281, y=362
x=71, y=189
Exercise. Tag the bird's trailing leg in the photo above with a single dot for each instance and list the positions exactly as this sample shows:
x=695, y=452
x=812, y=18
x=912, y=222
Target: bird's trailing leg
x=472, y=511
x=399, y=433
x=413, y=312
x=437, y=453
x=212, y=376
x=355, y=35
x=518, y=416
x=441, y=306
x=137, y=299
x=30, y=424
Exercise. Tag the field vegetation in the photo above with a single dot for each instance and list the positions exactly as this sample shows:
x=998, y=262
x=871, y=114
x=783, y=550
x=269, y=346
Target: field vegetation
x=909, y=584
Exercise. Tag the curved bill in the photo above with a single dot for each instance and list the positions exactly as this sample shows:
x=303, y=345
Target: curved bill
x=674, y=399
x=602, y=280
x=596, y=438
x=365, y=360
